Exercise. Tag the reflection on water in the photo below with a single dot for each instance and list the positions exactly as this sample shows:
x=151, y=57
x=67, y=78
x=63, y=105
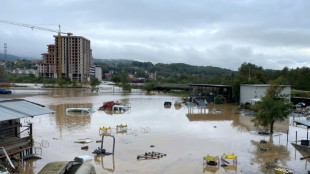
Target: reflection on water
x=71, y=121
x=27, y=166
x=184, y=135
x=106, y=162
x=210, y=169
x=270, y=155
x=79, y=92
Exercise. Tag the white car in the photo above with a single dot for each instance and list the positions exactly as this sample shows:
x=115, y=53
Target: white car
x=119, y=109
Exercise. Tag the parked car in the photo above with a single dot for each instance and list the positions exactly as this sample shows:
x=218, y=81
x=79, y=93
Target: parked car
x=3, y=91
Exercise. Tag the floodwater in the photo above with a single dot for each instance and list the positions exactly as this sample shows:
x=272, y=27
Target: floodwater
x=185, y=135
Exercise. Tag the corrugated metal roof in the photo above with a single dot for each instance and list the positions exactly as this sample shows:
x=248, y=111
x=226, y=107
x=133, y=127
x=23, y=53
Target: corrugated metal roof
x=14, y=109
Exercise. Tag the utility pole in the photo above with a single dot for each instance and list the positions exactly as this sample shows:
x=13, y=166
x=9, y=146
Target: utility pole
x=5, y=51
x=250, y=69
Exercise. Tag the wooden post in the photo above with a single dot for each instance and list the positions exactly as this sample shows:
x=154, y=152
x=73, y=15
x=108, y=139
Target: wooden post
x=307, y=135
x=30, y=127
x=287, y=136
x=296, y=137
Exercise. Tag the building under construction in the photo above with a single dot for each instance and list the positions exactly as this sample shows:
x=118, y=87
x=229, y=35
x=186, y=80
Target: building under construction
x=70, y=56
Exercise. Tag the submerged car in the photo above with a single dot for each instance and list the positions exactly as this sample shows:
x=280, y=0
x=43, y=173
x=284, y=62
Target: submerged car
x=3, y=91
x=167, y=104
x=300, y=105
x=201, y=104
x=78, y=166
x=119, y=109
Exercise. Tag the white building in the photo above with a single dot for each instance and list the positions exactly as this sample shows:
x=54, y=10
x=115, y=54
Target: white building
x=253, y=92
x=96, y=71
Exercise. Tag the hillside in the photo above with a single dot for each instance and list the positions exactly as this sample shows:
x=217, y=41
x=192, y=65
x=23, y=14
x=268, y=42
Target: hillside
x=10, y=57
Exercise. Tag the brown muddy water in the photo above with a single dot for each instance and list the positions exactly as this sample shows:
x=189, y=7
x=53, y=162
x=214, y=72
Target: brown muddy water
x=185, y=135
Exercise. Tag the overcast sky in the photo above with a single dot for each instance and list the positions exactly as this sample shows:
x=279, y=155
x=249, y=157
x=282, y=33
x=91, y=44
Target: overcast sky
x=222, y=33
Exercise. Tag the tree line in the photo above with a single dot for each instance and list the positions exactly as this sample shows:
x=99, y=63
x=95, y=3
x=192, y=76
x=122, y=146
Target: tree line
x=247, y=73
x=181, y=73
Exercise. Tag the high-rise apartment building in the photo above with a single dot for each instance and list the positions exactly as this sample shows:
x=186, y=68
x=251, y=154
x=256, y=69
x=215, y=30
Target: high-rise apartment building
x=70, y=56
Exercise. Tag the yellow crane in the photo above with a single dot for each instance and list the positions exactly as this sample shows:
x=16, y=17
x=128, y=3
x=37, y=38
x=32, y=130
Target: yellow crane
x=45, y=29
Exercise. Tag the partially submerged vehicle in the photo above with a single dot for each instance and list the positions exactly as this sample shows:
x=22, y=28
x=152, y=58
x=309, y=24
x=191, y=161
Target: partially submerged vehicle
x=110, y=104
x=249, y=113
x=201, y=104
x=83, y=141
x=178, y=103
x=167, y=104
x=190, y=104
x=119, y=109
x=107, y=105
x=79, y=110
x=4, y=91
x=216, y=111
x=300, y=105
x=78, y=166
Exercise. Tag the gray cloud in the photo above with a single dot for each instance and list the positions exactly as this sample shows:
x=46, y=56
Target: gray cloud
x=272, y=34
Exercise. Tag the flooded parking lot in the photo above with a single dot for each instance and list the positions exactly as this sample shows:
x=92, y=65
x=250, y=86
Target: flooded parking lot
x=186, y=135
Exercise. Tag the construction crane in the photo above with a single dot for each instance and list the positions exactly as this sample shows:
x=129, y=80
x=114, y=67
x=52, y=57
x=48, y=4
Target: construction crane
x=36, y=27
x=45, y=29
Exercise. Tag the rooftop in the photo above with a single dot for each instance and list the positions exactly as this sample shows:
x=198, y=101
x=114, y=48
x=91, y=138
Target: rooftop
x=11, y=109
x=261, y=85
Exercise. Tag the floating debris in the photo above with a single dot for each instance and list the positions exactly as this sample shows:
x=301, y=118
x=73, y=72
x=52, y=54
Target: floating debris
x=224, y=165
x=151, y=155
x=263, y=141
x=152, y=146
x=83, y=141
x=84, y=147
x=263, y=132
x=249, y=113
x=167, y=104
x=263, y=149
x=145, y=130
x=238, y=109
x=283, y=170
x=216, y=111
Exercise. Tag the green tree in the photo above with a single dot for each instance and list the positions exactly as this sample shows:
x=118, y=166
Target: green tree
x=274, y=106
x=94, y=82
x=2, y=72
x=247, y=74
x=125, y=81
x=149, y=86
